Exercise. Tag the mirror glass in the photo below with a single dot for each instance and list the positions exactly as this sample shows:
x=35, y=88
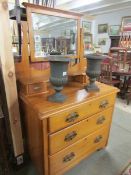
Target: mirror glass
x=54, y=34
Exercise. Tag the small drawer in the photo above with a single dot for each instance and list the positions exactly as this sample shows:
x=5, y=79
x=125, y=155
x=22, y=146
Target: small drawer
x=70, y=135
x=36, y=88
x=67, y=158
x=73, y=115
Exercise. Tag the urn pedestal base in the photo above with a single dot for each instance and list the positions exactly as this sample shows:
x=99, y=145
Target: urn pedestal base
x=92, y=87
x=57, y=97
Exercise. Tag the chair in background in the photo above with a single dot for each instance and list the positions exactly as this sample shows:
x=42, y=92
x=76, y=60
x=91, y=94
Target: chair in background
x=120, y=53
x=106, y=73
x=128, y=94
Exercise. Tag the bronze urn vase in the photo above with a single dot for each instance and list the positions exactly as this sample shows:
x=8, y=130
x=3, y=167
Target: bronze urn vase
x=58, y=76
x=93, y=70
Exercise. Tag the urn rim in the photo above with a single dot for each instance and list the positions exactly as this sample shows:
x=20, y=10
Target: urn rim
x=58, y=58
x=95, y=56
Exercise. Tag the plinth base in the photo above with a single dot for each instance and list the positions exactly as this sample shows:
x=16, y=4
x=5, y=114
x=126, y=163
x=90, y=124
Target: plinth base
x=92, y=88
x=57, y=97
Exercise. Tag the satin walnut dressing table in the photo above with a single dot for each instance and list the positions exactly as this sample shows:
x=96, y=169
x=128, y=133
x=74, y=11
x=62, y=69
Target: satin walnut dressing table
x=61, y=135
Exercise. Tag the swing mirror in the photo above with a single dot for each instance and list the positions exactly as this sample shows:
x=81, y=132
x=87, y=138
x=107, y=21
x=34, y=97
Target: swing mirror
x=52, y=30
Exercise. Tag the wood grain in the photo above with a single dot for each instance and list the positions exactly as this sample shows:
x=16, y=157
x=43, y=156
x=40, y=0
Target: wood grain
x=31, y=8
x=76, y=95
x=8, y=71
x=58, y=121
x=54, y=149
x=57, y=141
x=80, y=148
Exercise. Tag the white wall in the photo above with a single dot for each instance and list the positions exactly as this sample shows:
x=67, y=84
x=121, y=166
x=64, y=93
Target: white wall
x=113, y=18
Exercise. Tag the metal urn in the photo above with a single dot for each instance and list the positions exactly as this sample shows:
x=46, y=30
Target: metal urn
x=93, y=70
x=58, y=76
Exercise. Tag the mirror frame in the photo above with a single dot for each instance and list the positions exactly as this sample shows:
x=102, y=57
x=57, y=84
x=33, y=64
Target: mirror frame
x=33, y=8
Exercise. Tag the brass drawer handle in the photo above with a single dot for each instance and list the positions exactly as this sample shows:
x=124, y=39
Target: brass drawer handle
x=70, y=136
x=100, y=120
x=72, y=117
x=69, y=157
x=98, y=139
x=37, y=88
x=104, y=104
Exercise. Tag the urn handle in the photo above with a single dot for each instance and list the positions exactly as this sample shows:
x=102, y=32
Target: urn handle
x=72, y=117
x=100, y=120
x=69, y=157
x=70, y=136
x=98, y=139
x=103, y=104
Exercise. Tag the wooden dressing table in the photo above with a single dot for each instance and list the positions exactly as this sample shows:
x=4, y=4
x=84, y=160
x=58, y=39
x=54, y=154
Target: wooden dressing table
x=61, y=135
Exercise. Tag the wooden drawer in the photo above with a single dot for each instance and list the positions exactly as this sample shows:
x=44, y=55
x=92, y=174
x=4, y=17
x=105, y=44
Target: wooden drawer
x=75, y=114
x=69, y=135
x=70, y=156
x=37, y=88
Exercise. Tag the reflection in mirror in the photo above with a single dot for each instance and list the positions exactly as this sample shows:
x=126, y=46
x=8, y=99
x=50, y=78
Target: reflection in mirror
x=54, y=34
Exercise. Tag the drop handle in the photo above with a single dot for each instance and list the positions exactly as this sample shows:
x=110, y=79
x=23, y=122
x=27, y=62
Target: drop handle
x=100, y=120
x=104, y=104
x=70, y=136
x=98, y=139
x=36, y=88
x=69, y=157
x=72, y=117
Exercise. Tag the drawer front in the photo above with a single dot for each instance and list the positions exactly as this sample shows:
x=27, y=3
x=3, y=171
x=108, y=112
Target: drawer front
x=71, y=116
x=36, y=88
x=68, y=136
x=68, y=157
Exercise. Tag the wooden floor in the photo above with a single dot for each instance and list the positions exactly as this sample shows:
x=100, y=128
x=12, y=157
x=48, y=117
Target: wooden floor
x=114, y=158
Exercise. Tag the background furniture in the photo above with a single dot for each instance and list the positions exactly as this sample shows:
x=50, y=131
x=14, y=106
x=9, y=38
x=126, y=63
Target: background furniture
x=114, y=41
x=66, y=133
x=128, y=94
x=106, y=73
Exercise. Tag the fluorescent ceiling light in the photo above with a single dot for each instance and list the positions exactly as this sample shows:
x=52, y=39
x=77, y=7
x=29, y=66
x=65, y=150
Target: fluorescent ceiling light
x=80, y=3
x=60, y=2
x=73, y=4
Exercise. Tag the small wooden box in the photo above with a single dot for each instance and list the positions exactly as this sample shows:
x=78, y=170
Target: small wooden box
x=33, y=86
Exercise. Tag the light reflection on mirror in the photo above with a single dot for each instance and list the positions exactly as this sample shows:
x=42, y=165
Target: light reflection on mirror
x=54, y=34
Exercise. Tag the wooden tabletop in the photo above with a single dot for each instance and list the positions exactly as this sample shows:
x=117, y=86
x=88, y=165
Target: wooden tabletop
x=75, y=93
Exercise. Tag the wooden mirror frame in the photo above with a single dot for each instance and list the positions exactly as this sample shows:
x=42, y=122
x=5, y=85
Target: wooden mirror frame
x=32, y=8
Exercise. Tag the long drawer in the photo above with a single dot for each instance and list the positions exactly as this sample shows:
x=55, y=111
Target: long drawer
x=73, y=115
x=70, y=156
x=69, y=135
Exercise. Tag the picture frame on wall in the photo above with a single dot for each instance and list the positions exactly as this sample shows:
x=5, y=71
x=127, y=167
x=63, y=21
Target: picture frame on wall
x=87, y=41
x=114, y=29
x=126, y=24
x=102, y=41
x=86, y=25
x=102, y=28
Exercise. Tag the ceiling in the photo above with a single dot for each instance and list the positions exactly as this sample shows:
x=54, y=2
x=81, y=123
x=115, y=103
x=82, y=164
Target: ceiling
x=92, y=7
x=96, y=8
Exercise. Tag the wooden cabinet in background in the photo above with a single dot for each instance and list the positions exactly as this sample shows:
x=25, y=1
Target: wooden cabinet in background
x=60, y=135
x=114, y=41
